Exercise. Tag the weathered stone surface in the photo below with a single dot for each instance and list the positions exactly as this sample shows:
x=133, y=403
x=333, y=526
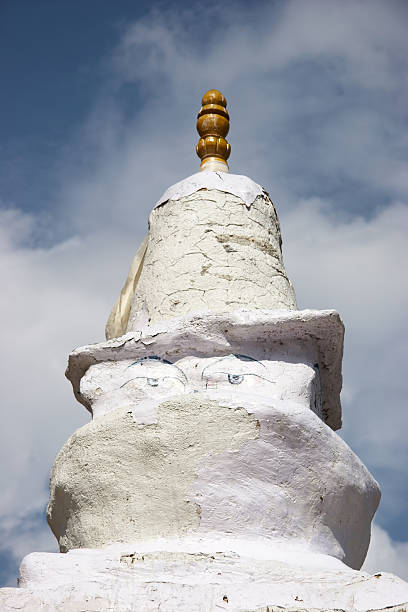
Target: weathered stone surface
x=135, y=580
x=117, y=481
x=227, y=468
x=239, y=186
x=208, y=251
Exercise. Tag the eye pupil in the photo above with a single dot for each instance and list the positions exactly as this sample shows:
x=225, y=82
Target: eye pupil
x=235, y=379
x=153, y=382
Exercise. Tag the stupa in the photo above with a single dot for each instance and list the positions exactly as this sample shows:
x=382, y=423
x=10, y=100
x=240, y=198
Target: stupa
x=211, y=476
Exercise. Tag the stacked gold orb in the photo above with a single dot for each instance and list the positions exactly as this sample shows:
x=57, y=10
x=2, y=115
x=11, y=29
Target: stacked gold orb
x=213, y=126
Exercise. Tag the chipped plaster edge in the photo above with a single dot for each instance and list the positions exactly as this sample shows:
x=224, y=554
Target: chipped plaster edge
x=237, y=184
x=220, y=333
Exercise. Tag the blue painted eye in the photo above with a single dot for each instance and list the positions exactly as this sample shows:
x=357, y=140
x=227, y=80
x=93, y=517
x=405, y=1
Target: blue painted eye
x=153, y=382
x=235, y=379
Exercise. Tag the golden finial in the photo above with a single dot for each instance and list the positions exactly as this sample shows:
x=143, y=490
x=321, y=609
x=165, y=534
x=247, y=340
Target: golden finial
x=213, y=126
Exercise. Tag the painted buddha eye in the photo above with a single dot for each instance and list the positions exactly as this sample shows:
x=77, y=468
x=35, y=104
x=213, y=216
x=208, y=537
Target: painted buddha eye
x=235, y=379
x=153, y=382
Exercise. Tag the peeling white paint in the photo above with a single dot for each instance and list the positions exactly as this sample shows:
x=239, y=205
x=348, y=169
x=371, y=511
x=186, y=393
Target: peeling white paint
x=208, y=251
x=236, y=184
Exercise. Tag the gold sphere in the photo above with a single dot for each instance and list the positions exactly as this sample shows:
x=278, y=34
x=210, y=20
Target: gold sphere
x=213, y=96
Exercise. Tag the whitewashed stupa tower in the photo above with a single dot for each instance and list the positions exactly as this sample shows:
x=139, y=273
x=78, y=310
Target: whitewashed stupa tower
x=210, y=477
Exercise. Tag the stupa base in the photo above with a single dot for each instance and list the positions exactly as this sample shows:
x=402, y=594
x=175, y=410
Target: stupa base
x=117, y=579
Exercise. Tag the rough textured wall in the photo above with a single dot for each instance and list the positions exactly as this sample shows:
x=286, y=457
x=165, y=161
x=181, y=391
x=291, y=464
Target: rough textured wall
x=117, y=481
x=123, y=579
x=214, y=466
x=209, y=251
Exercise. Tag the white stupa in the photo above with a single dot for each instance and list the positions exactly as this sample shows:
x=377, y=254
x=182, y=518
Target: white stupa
x=210, y=477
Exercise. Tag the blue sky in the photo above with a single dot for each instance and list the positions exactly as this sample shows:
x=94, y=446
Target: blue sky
x=54, y=71
x=98, y=118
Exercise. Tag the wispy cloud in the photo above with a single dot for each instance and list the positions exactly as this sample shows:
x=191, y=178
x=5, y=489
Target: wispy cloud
x=386, y=554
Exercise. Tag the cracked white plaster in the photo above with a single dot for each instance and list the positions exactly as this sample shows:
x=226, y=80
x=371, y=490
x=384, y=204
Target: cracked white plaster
x=236, y=184
x=208, y=251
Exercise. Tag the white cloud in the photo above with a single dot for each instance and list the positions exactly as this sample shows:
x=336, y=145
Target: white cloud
x=386, y=554
x=316, y=100
x=20, y=535
x=350, y=264
x=356, y=265
x=309, y=88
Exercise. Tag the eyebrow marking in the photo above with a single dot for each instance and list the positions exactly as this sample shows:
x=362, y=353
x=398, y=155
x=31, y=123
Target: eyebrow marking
x=247, y=358
x=151, y=358
x=238, y=355
x=157, y=360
